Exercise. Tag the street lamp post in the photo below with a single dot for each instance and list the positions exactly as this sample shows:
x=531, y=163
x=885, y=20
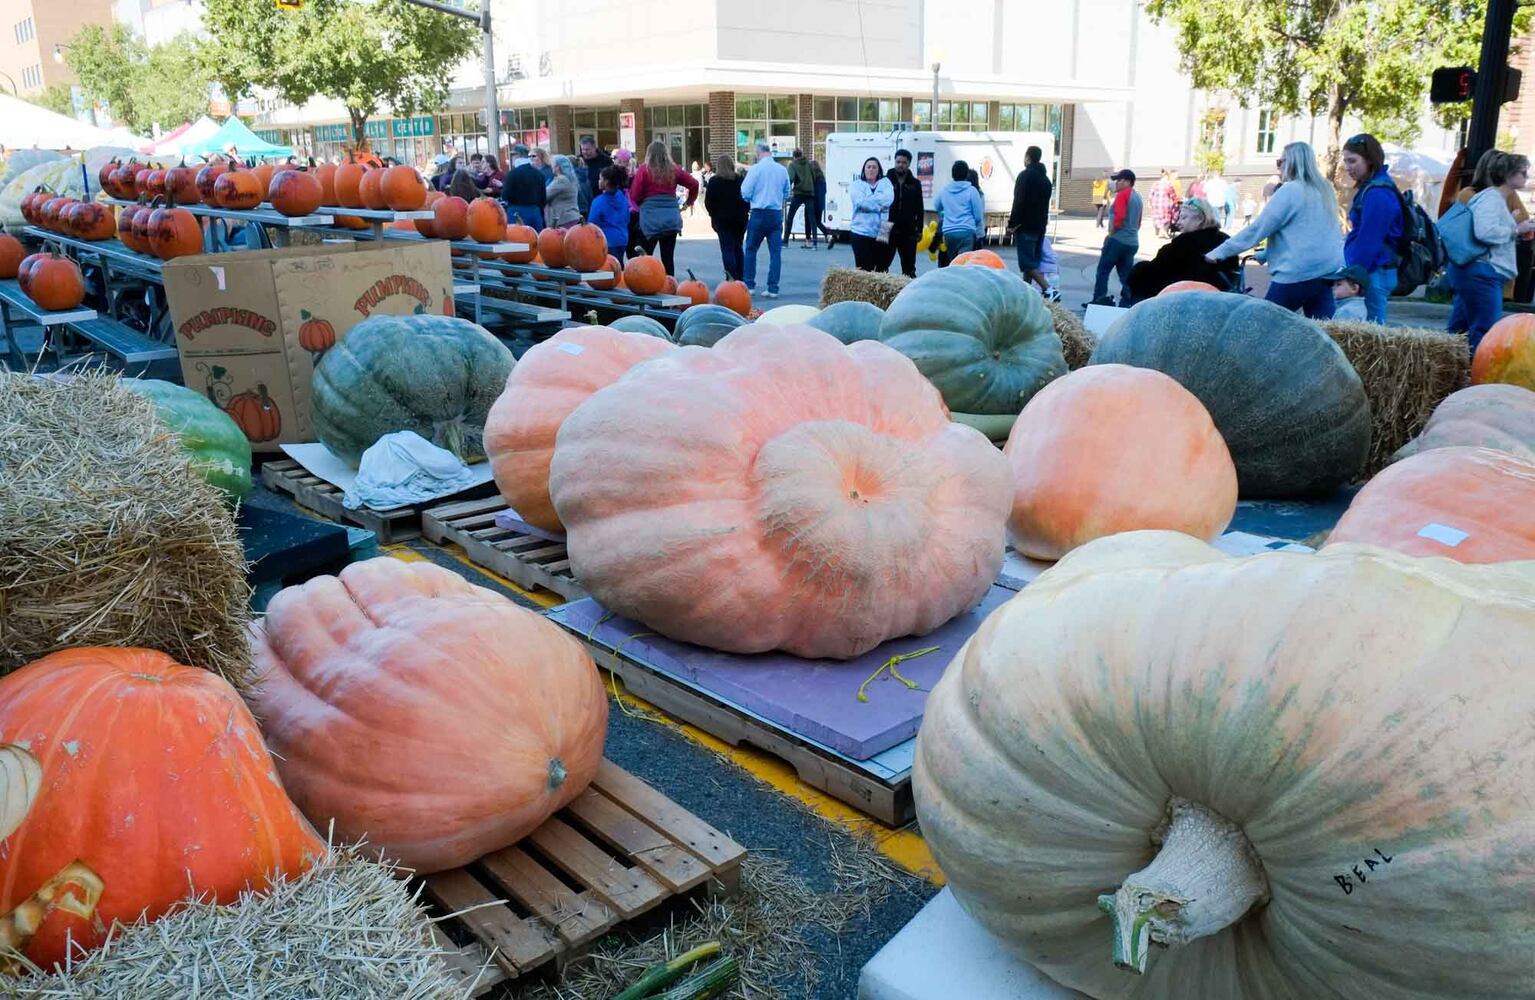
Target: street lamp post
x=932, y=118
x=482, y=17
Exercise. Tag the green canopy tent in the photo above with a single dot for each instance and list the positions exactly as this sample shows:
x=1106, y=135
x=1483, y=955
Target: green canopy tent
x=234, y=132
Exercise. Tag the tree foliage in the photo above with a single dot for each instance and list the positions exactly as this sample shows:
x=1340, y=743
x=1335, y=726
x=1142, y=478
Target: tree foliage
x=1365, y=59
x=142, y=87
x=55, y=98
x=368, y=55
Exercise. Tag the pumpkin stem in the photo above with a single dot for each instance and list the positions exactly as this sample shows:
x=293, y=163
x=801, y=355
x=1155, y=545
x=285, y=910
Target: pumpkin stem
x=1205, y=878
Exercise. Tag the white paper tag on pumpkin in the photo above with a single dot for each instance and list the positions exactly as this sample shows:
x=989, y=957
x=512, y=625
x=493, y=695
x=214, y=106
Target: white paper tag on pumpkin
x=1443, y=534
x=570, y=348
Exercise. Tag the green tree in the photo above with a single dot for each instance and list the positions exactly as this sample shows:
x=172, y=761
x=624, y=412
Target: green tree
x=55, y=98
x=1368, y=59
x=143, y=87
x=368, y=55
x=106, y=60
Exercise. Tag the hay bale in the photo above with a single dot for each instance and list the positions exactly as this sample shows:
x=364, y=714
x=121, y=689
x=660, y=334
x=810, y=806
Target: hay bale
x=346, y=928
x=1076, y=342
x=1406, y=373
x=844, y=284
x=108, y=536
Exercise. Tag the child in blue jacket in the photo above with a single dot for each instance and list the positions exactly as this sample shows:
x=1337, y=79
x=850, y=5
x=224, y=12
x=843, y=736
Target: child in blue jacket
x=610, y=211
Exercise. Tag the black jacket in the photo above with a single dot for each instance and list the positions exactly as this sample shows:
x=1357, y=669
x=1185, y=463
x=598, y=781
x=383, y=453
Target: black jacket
x=1183, y=259
x=524, y=186
x=594, y=168
x=906, y=211
x=1031, y=201
x=722, y=200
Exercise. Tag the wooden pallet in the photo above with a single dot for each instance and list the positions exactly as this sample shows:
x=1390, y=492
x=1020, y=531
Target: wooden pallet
x=621, y=851
x=525, y=559
x=880, y=788
x=287, y=476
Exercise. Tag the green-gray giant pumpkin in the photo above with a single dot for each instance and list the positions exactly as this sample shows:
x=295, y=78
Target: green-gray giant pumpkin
x=641, y=324
x=435, y=375
x=703, y=325
x=983, y=337
x=1281, y=392
x=219, y=449
x=849, y=321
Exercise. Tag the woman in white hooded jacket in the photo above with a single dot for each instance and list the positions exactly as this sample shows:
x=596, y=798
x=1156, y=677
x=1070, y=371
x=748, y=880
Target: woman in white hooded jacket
x=872, y=195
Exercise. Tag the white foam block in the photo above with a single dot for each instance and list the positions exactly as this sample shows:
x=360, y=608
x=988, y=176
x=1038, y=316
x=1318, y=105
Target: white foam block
x=1098, y=319
x=943, y=954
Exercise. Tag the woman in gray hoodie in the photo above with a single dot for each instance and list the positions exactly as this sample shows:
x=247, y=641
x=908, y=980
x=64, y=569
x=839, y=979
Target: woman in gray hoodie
x=1305, y=238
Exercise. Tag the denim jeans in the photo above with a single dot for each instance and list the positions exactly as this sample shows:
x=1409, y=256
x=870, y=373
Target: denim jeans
x=808, y=201
x=528, y=215
x=1313, y=297
x=1119, y=257
x=1478, y=301
x=764, y=224
x=1382, y=284
x=955, y=242
x=730, y=253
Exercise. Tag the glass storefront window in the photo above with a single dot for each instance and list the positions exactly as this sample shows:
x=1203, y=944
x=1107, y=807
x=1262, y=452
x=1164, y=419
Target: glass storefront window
x=751, y=108
x=781, y=108
x=775, y=117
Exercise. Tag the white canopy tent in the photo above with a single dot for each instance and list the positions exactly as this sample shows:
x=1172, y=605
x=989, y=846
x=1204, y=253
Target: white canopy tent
x=26, y=126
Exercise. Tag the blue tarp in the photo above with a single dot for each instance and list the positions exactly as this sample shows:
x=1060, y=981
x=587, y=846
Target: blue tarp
x=234, y=131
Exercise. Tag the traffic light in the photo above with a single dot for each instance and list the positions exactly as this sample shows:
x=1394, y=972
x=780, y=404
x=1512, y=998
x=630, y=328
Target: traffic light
x=1452, y=85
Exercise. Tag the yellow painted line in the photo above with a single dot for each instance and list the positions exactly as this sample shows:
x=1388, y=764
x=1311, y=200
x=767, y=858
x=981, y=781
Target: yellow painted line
x=905, y=847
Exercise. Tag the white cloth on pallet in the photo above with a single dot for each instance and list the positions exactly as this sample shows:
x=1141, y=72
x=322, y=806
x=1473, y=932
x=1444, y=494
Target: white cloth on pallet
x=405, y=468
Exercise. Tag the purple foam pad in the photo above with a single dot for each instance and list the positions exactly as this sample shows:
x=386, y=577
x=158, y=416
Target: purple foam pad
x=816, y=699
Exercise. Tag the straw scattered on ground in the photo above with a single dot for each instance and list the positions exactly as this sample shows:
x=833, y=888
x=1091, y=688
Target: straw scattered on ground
x=108, y=537
x=1406, y=373
x=766, y=927
x=347, y=929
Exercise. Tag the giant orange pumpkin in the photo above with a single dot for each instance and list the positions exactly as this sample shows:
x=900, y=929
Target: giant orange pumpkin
x=1188, y=286
x=371, y=188
x=1475, y=505
x=295, y=193
x=402, y=188
x=348, y=182
x=809, y=496
x=545, y=387
x=487, y=220
x=643, y=275
x=528, y=237
x=1110, y=448
x=1496, y=415
x=735, y=296
x=586, y=247
x=154, y=777
x=450, y=218
x=1507, y=352
x=435, y=717
x=979, y=258
x=551, y=247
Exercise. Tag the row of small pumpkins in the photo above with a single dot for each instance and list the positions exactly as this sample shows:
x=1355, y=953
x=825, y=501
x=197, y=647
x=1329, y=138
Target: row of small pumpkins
x=52, y=281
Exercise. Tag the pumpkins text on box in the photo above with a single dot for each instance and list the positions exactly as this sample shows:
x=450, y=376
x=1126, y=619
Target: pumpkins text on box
x=779, y=491
x=435, y=375
x=1259, y=763
x=435, y=718
x=219, y=450
x=1283, y=395
x=1474, y=505
x=154, y=778
x=983, y=337
x=1496, y=415
x=1109, y=448
x=545, y=387
x=1507, y=352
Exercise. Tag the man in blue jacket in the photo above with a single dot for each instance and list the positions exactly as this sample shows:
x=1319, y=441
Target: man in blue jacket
x=961, y=214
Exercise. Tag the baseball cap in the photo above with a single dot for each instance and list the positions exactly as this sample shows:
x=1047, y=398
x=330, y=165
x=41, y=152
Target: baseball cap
x=1123, y=175
x=1354, y=272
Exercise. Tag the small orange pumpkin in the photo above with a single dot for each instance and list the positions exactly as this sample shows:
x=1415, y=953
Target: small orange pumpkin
x=487, y=220
x=141, y=179
x=644, y=275
x=125, y=180
x=1188, y=286
x=174, y=232
x=56, y=283
x=256, y=414
x=295, y=193
x=694, y=289
x=350, y=222
x=402, y=188
x=371, y=189
x=734, y=295
x=450, y=218
x=527, y=235
x=181, y=184
x=154, y=186
x=104, y=176
x=551, y=248
x=615, y=274
x=669, y=287
x=207, y=181
x=325, y=173
x=125, y=232
x=348, y=182
x=12, y=253
x=263, y=173
x=24, y=271
x=93, y=221
x=979, y=258
x=1507, y=353
x=586, y=247
x=238, y=189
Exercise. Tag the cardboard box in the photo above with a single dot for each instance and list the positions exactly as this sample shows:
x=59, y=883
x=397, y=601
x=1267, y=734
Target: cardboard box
x=240, y=320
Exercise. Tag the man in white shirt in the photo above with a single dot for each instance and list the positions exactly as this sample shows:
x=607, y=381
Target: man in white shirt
x=766, y=188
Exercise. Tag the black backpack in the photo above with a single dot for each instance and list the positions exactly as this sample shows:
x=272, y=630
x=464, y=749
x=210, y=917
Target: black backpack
x=1420, y=254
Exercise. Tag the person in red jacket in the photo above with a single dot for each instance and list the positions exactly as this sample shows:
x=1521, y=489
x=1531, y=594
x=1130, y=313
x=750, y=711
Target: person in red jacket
x=655, y=192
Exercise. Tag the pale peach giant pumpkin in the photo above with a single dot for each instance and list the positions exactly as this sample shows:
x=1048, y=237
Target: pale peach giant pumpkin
x=779, y=491
x=1111, y=448
x=1475, y=505
x=545, y=387
x=435, y=718
x=1309, y=775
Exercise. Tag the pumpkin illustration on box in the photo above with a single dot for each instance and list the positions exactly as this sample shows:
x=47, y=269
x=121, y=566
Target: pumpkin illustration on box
x=256, y=414
x=315, y=335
